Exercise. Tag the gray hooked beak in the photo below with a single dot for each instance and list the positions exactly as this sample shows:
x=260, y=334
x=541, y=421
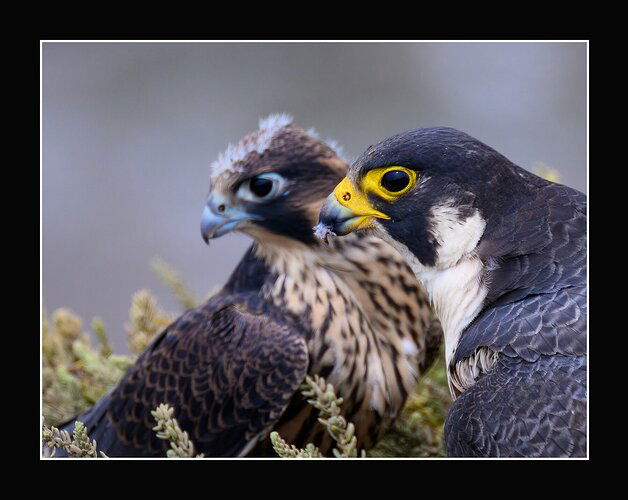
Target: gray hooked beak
x=218, y=219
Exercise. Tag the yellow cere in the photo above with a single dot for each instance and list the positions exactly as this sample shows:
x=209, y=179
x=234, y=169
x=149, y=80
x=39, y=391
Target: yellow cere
x=355, y=200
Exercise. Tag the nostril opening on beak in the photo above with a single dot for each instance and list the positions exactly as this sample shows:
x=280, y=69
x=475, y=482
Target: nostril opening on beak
x=221, y=208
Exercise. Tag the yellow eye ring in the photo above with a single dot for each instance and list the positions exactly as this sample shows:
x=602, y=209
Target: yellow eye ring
x=372, y=182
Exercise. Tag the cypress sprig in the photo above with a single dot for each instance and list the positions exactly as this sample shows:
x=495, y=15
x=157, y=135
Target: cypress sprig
x=285, y=450
x=167, y=428
x=322, y=396
x=146, y=321
x=77, y=446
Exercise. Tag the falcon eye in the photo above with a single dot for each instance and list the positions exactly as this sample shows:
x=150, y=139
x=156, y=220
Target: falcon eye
x=389, y=183
x=260, y=186
x=395, y=180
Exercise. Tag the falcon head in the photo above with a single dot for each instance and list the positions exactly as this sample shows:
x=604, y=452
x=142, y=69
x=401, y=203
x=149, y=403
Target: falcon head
x=431, y=193
x=271, y=184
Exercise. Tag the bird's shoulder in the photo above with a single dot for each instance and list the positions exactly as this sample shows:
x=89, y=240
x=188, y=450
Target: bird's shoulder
x=536, y=278
x=537, y=246
x=228, y=367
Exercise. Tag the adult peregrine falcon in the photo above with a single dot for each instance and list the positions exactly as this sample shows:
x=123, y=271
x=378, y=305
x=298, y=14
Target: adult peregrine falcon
x=502, y=254
x=353, y=313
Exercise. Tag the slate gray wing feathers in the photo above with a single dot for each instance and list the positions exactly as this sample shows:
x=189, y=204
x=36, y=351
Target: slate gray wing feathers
x=522, y=409
x=537, y=315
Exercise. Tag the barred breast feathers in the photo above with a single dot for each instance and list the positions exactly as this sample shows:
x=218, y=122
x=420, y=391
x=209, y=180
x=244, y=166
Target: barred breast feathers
x=368, y=314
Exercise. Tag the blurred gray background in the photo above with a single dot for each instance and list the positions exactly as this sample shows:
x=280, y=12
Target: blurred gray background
x=129, y=131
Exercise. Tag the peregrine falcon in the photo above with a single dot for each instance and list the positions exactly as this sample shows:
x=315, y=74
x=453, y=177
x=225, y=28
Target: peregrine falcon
x=502, y=254
x=232, y=367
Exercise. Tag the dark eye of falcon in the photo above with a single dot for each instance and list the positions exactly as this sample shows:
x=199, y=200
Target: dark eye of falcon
x=395, y=180
x=260, y=186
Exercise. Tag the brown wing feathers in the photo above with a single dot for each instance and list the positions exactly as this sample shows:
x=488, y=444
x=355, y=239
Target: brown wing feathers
x=228, y=373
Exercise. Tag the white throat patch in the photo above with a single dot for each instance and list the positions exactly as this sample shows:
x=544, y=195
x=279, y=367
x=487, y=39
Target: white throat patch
x=457, y=237
x=454, y=283
x=457, y=294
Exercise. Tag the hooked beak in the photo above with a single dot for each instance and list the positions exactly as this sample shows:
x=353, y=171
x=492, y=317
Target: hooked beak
x=218, y=220
x=346, y=210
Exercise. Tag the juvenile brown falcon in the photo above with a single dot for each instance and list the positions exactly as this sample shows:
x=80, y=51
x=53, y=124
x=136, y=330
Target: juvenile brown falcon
x=352, y=312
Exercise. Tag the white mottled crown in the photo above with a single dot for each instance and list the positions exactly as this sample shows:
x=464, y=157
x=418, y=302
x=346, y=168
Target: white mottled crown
x=258, y=141
x=272, y=123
